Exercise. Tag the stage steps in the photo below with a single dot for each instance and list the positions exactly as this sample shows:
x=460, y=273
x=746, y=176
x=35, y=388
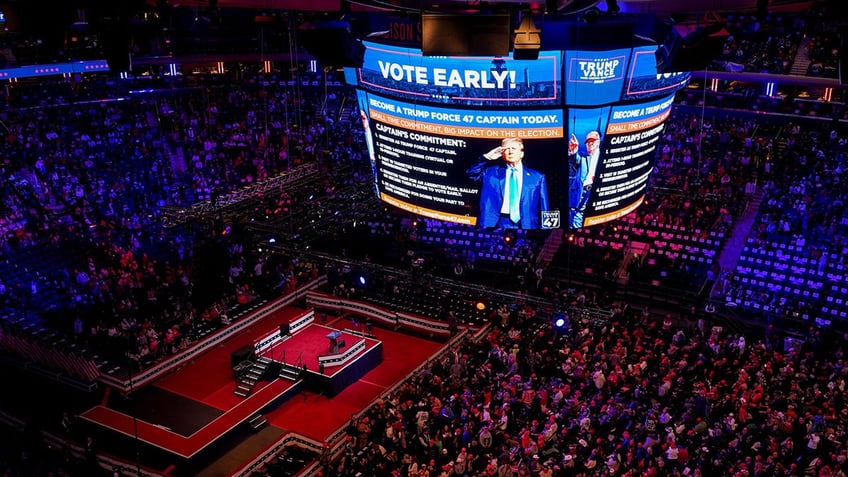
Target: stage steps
x=253, y=375
x=290, y=372
x=243, y=389
x=257, y=422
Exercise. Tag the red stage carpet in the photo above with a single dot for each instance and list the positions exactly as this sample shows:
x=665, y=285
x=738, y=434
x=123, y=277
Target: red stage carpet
x=162, y=437
x=209, y=379
x=318, y=416
x=209, y=382
x=305, y=346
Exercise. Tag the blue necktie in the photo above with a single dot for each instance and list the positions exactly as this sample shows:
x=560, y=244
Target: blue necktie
x=512, y=177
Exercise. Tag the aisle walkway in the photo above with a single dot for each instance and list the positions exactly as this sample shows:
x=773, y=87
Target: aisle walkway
x=741, y=230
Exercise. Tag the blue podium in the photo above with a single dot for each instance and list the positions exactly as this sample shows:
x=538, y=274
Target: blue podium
x=333, y=336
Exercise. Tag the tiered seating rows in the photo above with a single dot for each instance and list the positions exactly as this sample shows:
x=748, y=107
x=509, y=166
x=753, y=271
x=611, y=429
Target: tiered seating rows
x=779, y=272
x=488, y=245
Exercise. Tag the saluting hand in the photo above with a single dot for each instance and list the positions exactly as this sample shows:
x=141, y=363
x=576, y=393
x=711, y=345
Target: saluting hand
x=495, y=153
x=573, y=144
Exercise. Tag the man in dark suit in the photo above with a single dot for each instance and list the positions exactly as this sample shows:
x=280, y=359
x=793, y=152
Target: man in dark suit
x=512, y=196
x=582, y=172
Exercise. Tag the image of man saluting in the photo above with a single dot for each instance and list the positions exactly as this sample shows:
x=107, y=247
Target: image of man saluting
x=512, y=196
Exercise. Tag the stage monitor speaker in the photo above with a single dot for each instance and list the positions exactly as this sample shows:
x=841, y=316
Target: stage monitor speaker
x=445, y=34
x=285, y=329
x=245, y=353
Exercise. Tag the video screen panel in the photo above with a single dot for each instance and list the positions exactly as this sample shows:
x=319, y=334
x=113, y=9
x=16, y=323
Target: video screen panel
x=461, y=80
x=643, y=81
x=362, y=102
x=431, y=122
x=595, y=77
x=611, y=182
x=447, y=163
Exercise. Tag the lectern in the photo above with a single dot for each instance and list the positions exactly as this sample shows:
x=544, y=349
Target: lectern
x=333, y=336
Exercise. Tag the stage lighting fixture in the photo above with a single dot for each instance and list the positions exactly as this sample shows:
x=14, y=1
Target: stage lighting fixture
x=362, y=280
x=560, y=322
x=480, y=306
x=528, y=39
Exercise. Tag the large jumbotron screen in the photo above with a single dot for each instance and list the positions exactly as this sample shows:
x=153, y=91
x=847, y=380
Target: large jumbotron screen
x=587, y=122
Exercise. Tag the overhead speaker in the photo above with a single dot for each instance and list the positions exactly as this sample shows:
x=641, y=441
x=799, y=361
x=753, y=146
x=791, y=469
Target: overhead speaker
x=688, y=48
x=465, y=35
x=117, y=48
x=332, y=44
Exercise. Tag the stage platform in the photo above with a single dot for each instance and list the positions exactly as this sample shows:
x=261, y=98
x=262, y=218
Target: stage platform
x=166, y=431
x=171, y=419
x=328, y=368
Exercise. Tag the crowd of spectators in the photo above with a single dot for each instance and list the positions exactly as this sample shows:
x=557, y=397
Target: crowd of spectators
x=803, y=212
x=96, y=32
x=762, y=44
x=776, y=42
x=637, y=395
x=95, y=172
x=97, y=177
x=752, y=96
x=705, y=172
x=708, y=158
x=640, y=395
x=804, y=196
x=823, y=49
